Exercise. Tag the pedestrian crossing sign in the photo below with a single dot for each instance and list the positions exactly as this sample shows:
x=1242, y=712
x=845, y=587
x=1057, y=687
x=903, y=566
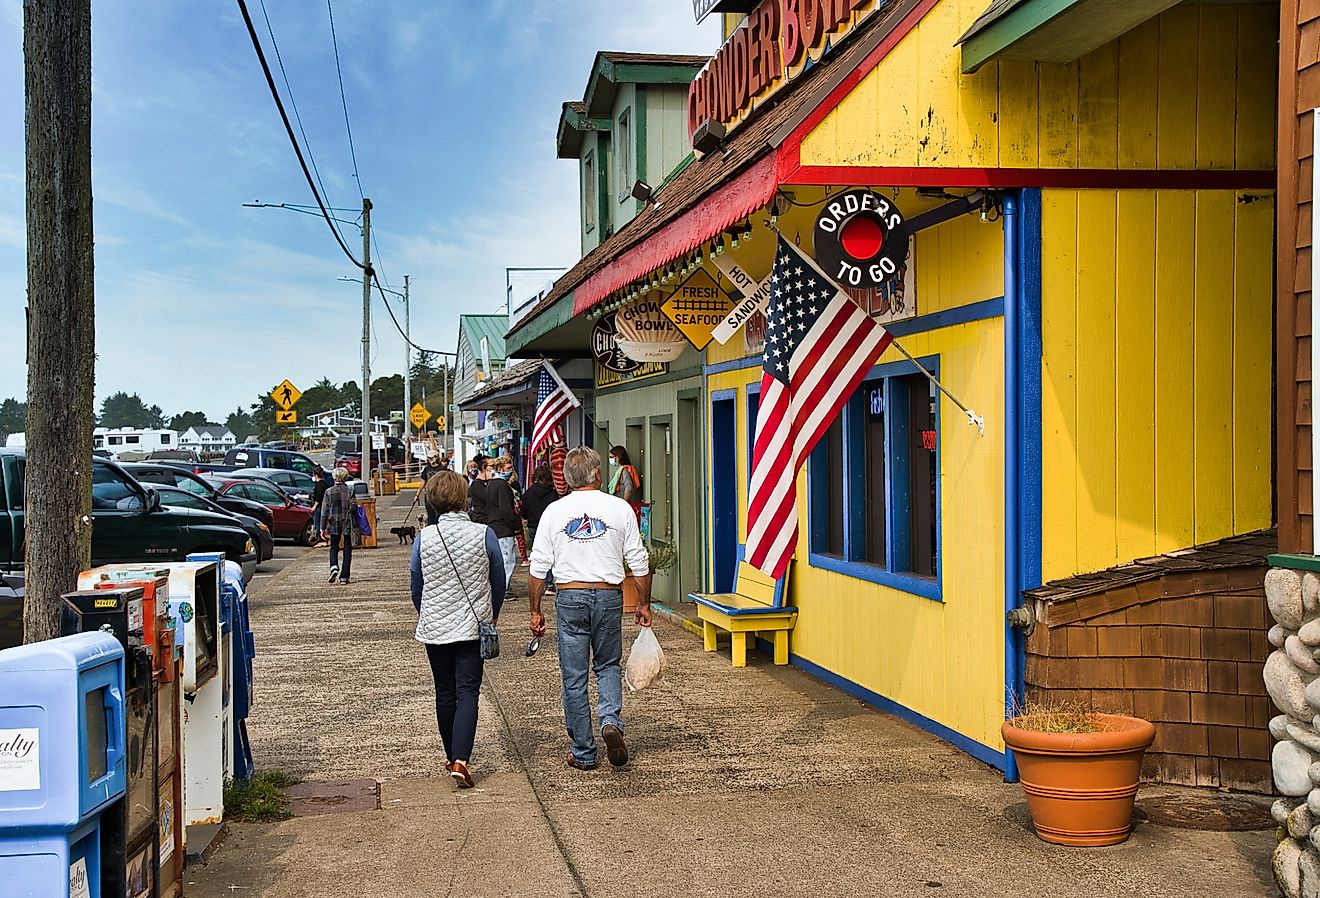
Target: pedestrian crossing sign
x=286, y=395
x=286, y=416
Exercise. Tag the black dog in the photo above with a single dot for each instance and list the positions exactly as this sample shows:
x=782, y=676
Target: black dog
x=404, y=533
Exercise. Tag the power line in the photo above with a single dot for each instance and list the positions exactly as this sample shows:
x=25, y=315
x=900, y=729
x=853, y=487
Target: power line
x=397, y=326
x=293, y=101
x=293, y=139
x=352, y=152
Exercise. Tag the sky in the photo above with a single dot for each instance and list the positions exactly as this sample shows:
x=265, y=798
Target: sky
x=201, y=303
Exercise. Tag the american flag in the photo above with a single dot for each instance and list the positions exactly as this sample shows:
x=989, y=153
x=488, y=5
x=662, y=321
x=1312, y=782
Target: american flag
x=819, y=344
x=554, y=400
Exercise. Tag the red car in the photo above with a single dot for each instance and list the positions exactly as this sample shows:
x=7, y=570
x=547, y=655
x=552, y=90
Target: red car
x=292, y=521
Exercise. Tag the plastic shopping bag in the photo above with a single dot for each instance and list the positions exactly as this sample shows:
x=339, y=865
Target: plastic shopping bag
x=646, y=661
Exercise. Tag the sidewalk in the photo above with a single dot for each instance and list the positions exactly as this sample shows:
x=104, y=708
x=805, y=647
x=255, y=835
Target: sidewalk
x=759, y=781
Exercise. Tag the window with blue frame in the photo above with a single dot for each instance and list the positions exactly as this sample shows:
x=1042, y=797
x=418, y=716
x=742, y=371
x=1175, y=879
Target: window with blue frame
x=874, y=485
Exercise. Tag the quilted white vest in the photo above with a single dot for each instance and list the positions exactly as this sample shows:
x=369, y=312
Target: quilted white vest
x=446, y=616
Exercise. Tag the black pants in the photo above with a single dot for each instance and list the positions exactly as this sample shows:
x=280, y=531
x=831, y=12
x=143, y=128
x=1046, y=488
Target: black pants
x=456, y=668
x=347, y=539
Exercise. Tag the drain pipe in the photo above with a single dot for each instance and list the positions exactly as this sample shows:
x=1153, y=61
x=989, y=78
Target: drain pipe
x=1012, y=462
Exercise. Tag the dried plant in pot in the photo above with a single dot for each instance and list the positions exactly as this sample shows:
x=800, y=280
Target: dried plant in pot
x=1079, y=769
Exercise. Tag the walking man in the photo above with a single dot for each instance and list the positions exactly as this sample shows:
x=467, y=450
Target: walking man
x=586, y=537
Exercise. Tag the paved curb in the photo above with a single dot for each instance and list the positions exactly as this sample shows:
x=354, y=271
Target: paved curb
x=669, y=614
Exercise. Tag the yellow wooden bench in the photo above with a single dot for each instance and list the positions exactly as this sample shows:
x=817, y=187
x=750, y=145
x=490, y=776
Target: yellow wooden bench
x=755, y=606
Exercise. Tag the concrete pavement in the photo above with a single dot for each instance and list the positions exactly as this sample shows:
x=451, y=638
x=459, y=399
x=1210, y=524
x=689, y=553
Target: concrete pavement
x=760, y=781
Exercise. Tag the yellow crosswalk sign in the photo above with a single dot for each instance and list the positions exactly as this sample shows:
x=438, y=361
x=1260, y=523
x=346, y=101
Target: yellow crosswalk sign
x=286, y=417
x=286, y=395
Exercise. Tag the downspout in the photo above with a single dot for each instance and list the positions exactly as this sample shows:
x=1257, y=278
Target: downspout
x=1012, y=462
x=1023, y=453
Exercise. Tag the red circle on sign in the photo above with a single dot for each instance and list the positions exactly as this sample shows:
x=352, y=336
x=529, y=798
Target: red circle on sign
x=862, y=238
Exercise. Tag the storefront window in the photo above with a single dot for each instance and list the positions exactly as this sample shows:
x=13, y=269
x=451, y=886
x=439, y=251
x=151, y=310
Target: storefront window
x=874, y=489
x=625, y=154
x=660, y=486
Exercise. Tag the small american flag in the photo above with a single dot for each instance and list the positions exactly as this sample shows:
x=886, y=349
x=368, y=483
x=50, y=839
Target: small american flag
x=819, y=344
x=554, y=400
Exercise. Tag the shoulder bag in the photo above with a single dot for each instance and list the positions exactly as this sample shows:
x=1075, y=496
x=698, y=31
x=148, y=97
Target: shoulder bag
x=490, y=637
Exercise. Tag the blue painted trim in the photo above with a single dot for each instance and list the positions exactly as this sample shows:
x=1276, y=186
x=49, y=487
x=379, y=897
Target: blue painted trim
x=752, y=407
x=724, y=489
x=982, y=753
x=976, y=311
x=742, y=551
x=751, y=361
x=724, y=395
x=709, y=602
x=874, y=573
x=854, y=414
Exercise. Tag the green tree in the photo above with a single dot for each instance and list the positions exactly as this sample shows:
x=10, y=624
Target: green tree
x=240, y=423
x=386, y=395
x=322, y=397
x=122, y=410
x=12, y=416
x=263, y=418
x=183, y=420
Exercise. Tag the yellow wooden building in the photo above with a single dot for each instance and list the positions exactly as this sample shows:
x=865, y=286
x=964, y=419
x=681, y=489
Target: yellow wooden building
x=1091, y=274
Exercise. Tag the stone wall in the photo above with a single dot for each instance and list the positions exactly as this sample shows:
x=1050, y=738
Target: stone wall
x=1291, y=677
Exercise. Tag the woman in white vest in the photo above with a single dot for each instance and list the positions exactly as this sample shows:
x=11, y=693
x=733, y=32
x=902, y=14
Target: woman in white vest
x=457, y=580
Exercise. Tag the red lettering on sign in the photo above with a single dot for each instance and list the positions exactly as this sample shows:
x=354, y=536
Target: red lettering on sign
x=928, y=440
x=770, y=64
x=836, y=11
x=739, y=57
x=809, y=16
x=792, y=36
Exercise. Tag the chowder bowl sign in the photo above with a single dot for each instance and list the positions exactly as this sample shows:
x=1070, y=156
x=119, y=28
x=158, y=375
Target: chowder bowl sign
x=605, y=347
x=645, y=334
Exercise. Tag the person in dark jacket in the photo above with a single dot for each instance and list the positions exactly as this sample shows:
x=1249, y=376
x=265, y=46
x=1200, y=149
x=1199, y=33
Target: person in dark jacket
x=492, y=504
x=338, y=521
x=534, y=503
x=433, y=466
x=323, y=483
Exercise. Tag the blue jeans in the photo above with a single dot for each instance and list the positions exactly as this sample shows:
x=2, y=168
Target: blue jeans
x=509, y=551
x=589, y=628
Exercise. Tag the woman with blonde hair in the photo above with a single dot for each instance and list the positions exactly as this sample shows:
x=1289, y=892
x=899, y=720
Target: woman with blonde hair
x=458, y=583
x=338, y=521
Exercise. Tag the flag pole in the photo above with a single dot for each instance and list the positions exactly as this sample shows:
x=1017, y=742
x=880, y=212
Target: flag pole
x=972, y=417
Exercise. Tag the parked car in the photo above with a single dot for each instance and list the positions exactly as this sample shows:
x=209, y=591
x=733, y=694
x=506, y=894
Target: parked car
x=175, y=475
x=174, y=497
x=295, y=483
x=185, y=455
x=293, y=520
x=286, y=445
x=349, y=456
x=129, y=523
x=247, y=457
x=106, y=454
x=11, y=610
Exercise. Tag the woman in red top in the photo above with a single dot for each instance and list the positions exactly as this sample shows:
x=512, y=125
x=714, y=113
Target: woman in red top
x=624, y=481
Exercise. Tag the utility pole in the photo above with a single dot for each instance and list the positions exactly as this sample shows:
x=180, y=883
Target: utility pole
x=407, y=366
x=57, y=53
x=367, y=274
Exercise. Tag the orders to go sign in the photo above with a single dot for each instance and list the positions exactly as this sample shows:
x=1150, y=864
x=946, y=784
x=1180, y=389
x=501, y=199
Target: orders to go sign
x=861, y=239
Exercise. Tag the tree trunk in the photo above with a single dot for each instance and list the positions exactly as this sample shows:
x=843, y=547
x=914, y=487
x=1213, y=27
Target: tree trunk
x=57, y=53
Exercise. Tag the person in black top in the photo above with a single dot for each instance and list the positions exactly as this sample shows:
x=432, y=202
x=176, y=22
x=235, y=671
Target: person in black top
x=492, y=504
x=433, y=466
x=534, y=503
x=318, y=499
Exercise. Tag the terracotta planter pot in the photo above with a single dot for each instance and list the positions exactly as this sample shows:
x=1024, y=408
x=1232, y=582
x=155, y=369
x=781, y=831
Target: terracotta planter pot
x=1080, y=786
x=629, y=595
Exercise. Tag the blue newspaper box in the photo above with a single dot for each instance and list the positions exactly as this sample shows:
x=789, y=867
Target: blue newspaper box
x=62, y=768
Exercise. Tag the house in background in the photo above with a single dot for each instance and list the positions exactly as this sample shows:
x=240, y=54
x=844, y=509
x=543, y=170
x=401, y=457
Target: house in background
x=481, y=355
x=208, y=439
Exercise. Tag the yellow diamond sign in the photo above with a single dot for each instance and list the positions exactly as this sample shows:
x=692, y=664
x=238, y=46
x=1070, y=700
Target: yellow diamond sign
x=286, y=395
x=286, y=417
x=697, y=307
x=419, y=415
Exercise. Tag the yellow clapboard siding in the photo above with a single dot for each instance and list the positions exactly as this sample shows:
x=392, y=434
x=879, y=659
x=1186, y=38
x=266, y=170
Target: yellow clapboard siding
x=1165, y=95
x=1019, y=137
x=1059, y=383
x=1257, y=87
x=1175, y=139
x=1215, y=90
x=1175, y=261
x=1138, y=97
x=1134, y=287
x=1097, y=108
x=1096, y=409
x=1212, y=361
x=1252, y=372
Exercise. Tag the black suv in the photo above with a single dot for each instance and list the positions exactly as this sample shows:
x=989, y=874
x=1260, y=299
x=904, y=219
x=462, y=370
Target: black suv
x=175, y=475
